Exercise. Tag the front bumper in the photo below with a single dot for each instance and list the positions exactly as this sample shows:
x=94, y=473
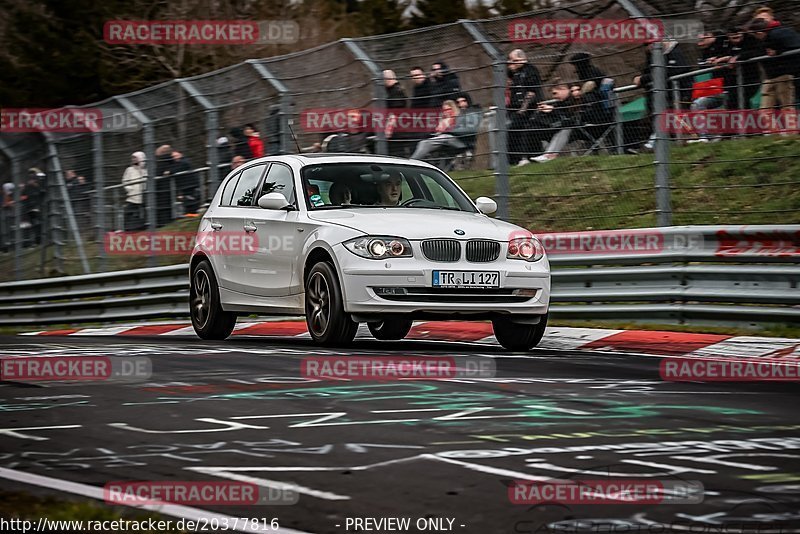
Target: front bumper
x=361, y=278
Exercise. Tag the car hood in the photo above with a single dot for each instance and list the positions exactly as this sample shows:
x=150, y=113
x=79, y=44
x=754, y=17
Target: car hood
x=417, y=223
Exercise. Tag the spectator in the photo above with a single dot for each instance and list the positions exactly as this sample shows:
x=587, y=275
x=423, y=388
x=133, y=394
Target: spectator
x=134, y=180
x=33, y=199
x=525, y=93
x=163, y=189
x=224, y=151
x=451, y=131
x=395, y=96
x=395, y=99
x=563, y=112
x=239, y=143
x=237, y=162
x=444, y=84
x=741, y=46
x=778, y=88
x=421, y=93
x=676, y=63
x=7, y=216
x=254, y=141
x=186, y=183
x=711, y=45
x=595, y=87
x=354, y=140
x=80, y=195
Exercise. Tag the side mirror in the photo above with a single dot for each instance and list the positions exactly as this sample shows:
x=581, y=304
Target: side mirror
x=486, y=205
x=273, y=201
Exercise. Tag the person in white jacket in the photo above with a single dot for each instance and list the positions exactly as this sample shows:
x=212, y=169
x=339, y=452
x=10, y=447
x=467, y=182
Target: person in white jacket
x=134, y=181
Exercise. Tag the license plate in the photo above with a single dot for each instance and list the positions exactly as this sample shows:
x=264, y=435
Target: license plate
x=466, y=279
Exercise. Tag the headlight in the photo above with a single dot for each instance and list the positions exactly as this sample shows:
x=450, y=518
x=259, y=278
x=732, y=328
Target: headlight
x=379, y=247
x=525, y=248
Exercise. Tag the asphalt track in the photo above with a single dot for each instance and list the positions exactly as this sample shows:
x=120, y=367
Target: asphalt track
x=239, y=410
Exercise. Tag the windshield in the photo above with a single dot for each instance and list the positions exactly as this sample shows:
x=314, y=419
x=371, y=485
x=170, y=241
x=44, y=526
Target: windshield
x=361, y=185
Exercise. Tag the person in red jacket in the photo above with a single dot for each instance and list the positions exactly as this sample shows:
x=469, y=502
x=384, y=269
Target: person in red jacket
x=254, y=141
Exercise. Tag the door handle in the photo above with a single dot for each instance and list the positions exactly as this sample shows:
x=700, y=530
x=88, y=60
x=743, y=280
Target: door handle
x=249, y=228
x=216, y=226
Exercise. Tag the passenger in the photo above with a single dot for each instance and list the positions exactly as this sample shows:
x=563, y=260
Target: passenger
x=340, y=194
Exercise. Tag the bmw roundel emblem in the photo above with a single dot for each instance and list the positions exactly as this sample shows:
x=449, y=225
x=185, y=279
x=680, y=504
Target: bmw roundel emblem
x=459, y=231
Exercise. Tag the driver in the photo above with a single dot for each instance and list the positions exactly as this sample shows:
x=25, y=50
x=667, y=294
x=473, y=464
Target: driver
x=389, y=191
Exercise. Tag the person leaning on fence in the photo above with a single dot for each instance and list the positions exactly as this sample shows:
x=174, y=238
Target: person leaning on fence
x=708, y=94
x=564, y=114
x=421, y=90
x=525, y=93
x=7, y=217
x=186, y=183
x=676, y=63
x=33, y=198
x=778, y=89
x=740, y=46
x=454, y=128
x=395, y=99
x=134, y=180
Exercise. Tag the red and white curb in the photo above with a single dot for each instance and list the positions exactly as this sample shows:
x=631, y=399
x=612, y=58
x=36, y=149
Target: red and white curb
x=659, y=343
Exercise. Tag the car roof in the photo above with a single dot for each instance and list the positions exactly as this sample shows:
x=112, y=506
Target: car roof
x=323, y=157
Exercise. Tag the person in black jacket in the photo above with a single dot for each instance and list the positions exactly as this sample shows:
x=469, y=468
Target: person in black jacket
x=777, y=90
x=595, y=87
x=676, y=63
x=525, y=94
x=444, y=84
x=421, y=92
x=741, y=46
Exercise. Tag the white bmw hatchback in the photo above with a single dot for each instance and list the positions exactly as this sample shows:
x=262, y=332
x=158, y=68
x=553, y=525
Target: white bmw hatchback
x=345, y=239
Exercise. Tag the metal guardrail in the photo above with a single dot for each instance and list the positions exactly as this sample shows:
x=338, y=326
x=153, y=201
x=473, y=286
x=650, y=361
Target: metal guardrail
x=691, y=274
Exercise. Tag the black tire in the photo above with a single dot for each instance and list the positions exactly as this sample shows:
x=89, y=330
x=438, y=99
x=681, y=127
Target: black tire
x=518, y=336
x=209, y=320
x=390, y=329
x=326, y=319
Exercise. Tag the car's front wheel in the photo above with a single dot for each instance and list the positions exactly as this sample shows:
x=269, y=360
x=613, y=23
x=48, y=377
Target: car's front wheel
x=518, y=336
x=390, y=329
x=327, y=321
x=209, y=320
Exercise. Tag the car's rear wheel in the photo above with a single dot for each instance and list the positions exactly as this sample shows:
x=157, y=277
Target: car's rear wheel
x=209, y=320
x=518, y=336
x=390, y=329
x=327, y=321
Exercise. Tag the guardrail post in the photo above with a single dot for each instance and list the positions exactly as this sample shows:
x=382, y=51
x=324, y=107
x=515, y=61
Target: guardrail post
x=380, y=88
x=662, y=191
x=500, y=150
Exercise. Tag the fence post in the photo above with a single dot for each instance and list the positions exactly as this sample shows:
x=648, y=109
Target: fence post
x=500, y=151
x=15, y=177
x=212, y=127
x=676, y=104
x=286, y=142
x=148, y=140
x=662, y=156
x=619, y=130
x=61, y=187
x=99, y=198
x=380, y=88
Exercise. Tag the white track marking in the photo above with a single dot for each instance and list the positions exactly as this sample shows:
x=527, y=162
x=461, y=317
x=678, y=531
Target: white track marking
x=94, y=492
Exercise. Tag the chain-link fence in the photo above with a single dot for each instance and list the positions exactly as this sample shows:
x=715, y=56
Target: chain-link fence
x=564, y=137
